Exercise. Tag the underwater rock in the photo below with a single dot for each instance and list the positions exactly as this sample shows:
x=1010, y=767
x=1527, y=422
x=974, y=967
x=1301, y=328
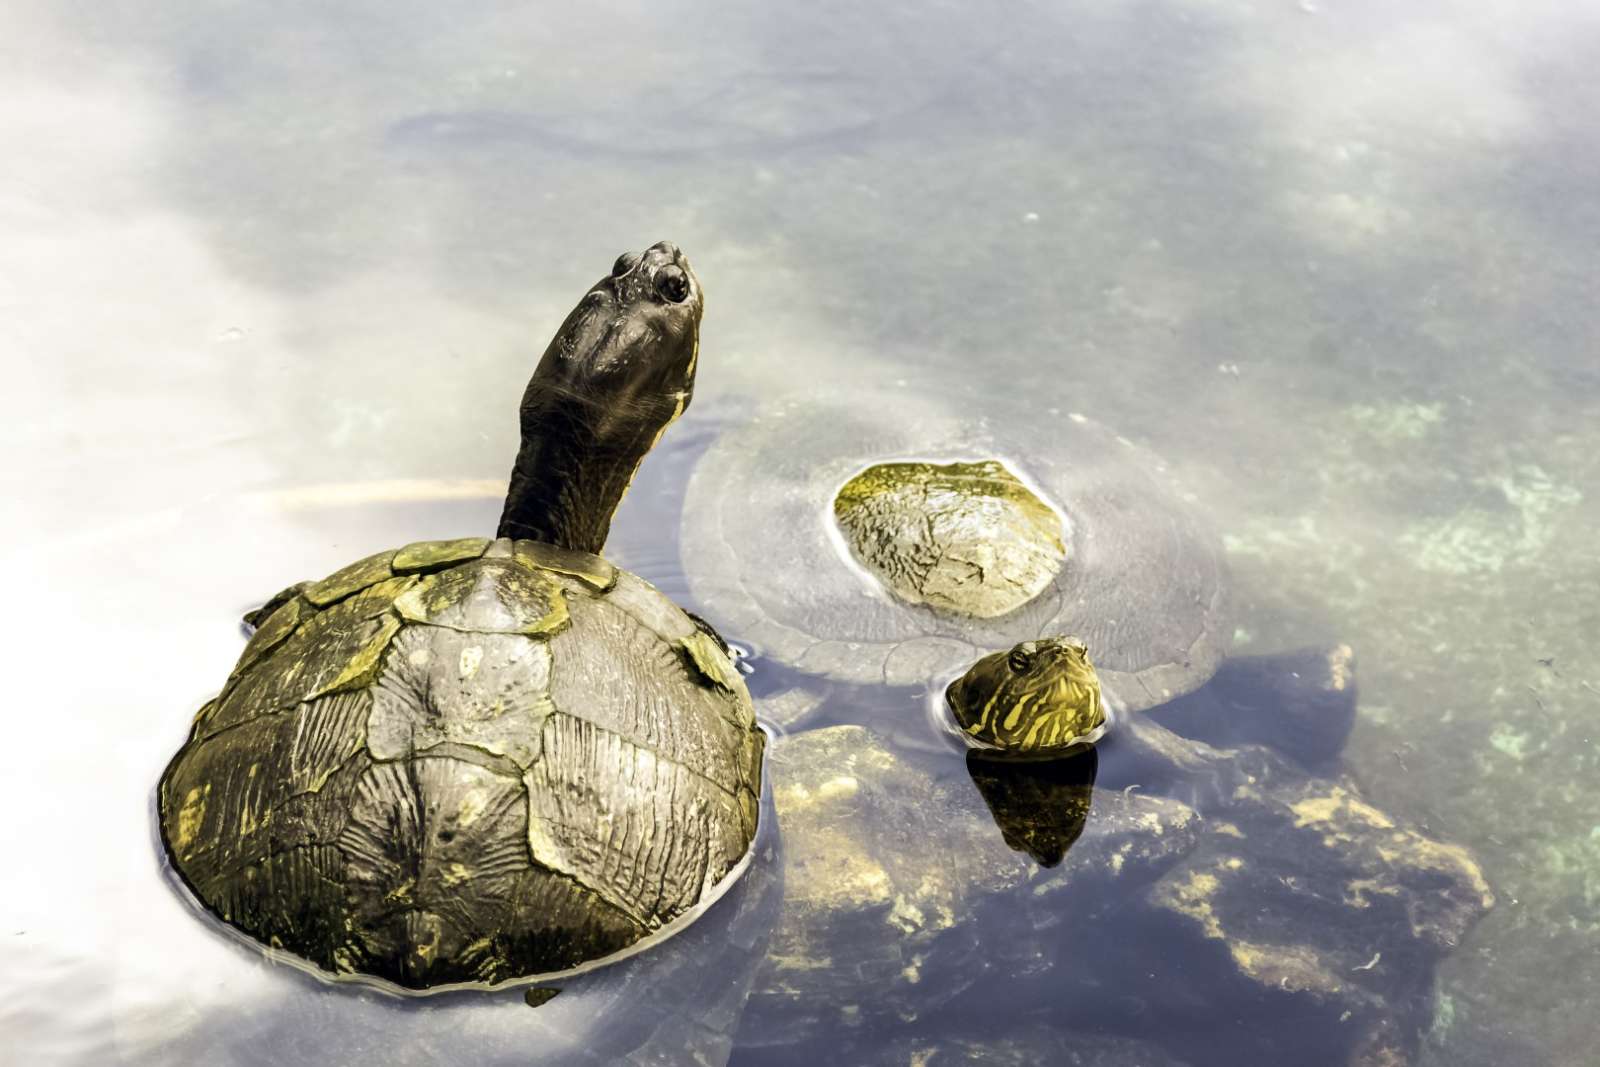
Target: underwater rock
x=791, y=709
x=1293, y=923
x=1026, y=1047
x=1303, y=894
x=901, y=893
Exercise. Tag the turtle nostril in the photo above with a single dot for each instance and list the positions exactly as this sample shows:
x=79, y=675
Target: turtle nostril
x=625, y=262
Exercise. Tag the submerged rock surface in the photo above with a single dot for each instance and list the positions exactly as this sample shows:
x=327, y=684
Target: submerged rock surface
x=1301, y=892
x=901, y=892
x=1255, y=914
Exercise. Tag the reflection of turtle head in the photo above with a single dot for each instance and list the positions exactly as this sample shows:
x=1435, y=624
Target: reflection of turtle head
x=1040, y=698
x=1040, y=806
x=618, y=372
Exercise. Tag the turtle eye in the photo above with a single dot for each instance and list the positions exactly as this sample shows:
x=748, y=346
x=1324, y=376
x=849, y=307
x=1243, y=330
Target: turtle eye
x=1020, y=660
x=624, y=264
x=672, y=284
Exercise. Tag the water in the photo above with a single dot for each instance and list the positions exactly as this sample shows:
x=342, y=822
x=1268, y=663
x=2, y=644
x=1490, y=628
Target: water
x=1333, y=261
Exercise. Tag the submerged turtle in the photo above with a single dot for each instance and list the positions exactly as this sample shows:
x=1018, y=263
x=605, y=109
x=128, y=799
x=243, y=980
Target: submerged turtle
x=886, y=539
x=894, y=540
x=477, y=761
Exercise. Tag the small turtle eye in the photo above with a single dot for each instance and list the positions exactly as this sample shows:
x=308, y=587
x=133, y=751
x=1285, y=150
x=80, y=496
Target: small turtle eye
x=672, y=284
x=624, y=264
x=1020, y=660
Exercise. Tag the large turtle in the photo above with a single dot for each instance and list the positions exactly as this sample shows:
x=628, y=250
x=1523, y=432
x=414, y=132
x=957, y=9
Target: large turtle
x=895, y=539
x=477, y=761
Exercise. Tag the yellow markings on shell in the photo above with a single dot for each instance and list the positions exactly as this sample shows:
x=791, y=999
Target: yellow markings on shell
x=364, y=664
x=471, y=658
x=456, y=874
x=473, y=805
x=191, y=815
x=249, y=824
x=351, y=579
x=590, y=569
x=710, y=661
x=424, y=555
x=516, y=598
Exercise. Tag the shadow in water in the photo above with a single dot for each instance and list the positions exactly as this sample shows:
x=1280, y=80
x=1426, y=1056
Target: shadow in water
x=1040, y=806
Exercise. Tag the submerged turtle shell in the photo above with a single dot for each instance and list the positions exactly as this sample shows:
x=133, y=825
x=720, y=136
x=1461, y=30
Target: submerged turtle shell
x=467, y=762
x=770, y=547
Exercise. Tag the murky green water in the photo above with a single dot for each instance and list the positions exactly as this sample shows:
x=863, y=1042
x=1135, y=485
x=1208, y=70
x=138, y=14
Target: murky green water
x=1334, y=261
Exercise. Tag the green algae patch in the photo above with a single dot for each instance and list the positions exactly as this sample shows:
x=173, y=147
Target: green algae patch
x=1395, y=423
x=1485, y=539
x=357, y=576
x=431, y=555
x=594, y=571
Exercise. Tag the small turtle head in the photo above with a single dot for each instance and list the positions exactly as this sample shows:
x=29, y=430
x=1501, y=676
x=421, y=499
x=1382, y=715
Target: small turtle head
x=1039, y=698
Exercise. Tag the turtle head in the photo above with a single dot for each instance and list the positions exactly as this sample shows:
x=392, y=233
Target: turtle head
x=616, y=375
x=1038, y=698
x=625, y=357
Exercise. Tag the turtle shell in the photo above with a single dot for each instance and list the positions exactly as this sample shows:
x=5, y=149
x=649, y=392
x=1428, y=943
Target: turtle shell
x=1072, y=529
x=467, y=762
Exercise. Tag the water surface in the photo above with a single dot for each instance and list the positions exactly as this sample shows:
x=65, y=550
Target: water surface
x=1335, y=261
